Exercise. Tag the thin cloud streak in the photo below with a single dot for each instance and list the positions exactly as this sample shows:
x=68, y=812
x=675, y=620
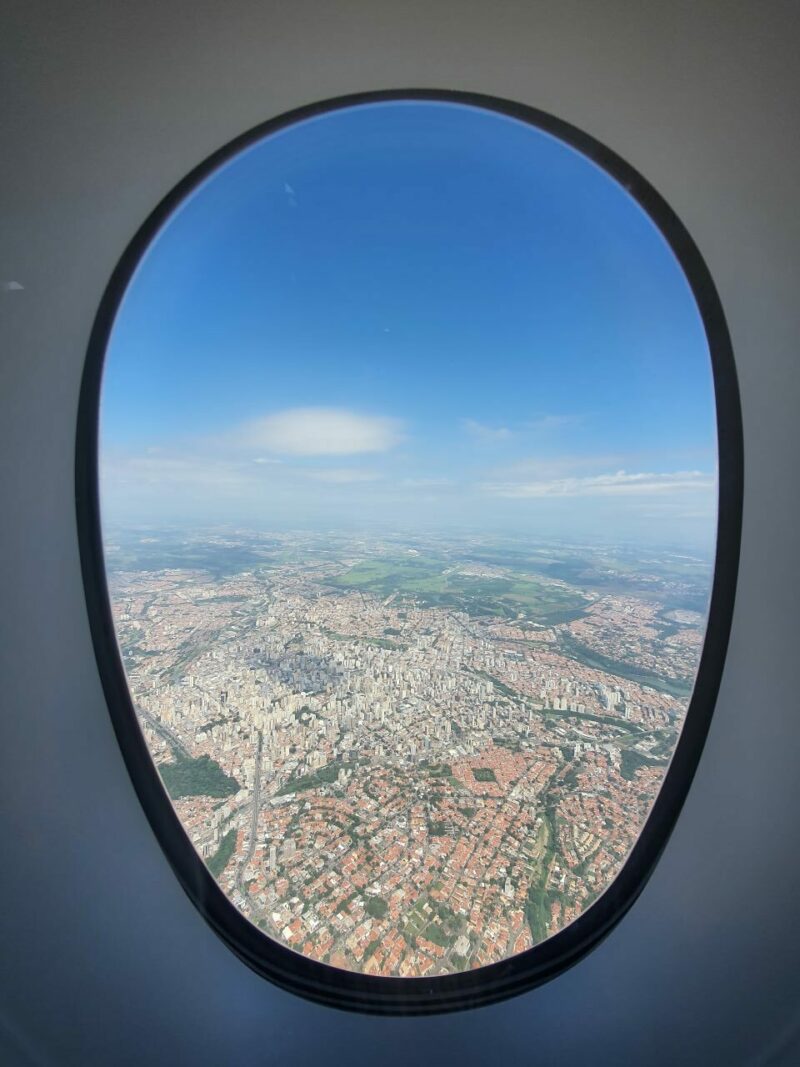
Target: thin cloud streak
x=620, y=483
x=341, y=475
x=541, y=424
x=486, y=434
x=545, y=423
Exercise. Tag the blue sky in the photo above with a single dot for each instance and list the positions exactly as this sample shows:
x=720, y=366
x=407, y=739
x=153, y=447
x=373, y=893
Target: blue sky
x=412, y=313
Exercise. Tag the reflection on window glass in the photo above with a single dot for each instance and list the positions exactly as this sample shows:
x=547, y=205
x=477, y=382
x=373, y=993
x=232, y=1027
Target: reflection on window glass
x=408, y=476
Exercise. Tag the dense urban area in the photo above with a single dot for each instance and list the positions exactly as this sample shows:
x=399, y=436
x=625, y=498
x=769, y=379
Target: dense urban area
x=408, y=757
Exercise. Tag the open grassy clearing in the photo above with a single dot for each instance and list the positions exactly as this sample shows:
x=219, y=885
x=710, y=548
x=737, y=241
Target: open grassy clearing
x=435, y=584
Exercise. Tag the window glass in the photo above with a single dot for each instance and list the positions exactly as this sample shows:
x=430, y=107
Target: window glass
x=408, y=486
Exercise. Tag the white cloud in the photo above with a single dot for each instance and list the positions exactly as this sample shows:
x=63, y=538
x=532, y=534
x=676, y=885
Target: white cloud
x=320, y=432
x=620, y=483
x=341, y=475
x=486, y=434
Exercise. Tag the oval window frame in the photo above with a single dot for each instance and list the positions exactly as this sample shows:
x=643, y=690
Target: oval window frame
x=497, y=981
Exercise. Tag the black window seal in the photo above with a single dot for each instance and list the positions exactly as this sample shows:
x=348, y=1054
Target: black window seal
x=286, y=968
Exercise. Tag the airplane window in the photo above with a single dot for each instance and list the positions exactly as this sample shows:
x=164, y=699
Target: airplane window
x=403, y=564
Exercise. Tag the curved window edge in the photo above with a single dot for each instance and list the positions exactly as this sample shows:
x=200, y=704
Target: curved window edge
x=497, y=981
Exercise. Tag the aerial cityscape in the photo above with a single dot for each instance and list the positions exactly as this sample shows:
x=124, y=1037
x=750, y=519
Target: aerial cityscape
x=408, y=477
x=408, y=757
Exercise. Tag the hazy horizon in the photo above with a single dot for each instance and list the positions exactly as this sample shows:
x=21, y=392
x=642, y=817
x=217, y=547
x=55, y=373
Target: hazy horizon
x=119, y=529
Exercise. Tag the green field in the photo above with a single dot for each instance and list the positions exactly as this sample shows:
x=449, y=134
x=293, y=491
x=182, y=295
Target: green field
x=376, y=907
x=433, y=583
x=677, y=687
x=438, y=770
x=325, y=776
x=633, y=760
x=483, y=774
x=219, y=861
x=202, y=777
x=438, y=924
x=622, y=725
x=437, y=828
x=537, y=905
x=375, y=642
x=172, y=550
